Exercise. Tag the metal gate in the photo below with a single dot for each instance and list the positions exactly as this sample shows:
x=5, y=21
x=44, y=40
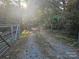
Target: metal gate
x=8, y=38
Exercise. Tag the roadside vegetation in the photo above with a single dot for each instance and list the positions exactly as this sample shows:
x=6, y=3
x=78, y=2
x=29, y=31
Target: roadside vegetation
x=25, y=34
x=65, y=22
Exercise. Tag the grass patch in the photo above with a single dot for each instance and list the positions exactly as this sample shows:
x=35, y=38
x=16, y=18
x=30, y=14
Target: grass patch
x=70, y=41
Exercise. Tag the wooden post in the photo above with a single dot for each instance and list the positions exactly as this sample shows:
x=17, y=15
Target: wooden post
x=12, y=32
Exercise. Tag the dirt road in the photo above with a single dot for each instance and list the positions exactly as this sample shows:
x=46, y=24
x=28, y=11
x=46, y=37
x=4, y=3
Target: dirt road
x=40, y=45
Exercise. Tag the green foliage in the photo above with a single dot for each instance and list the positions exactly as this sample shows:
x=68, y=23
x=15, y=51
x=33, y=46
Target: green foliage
x=73, y=16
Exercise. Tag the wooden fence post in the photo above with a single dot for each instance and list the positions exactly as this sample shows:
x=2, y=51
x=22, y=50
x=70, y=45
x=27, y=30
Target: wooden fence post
x=12, y=32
